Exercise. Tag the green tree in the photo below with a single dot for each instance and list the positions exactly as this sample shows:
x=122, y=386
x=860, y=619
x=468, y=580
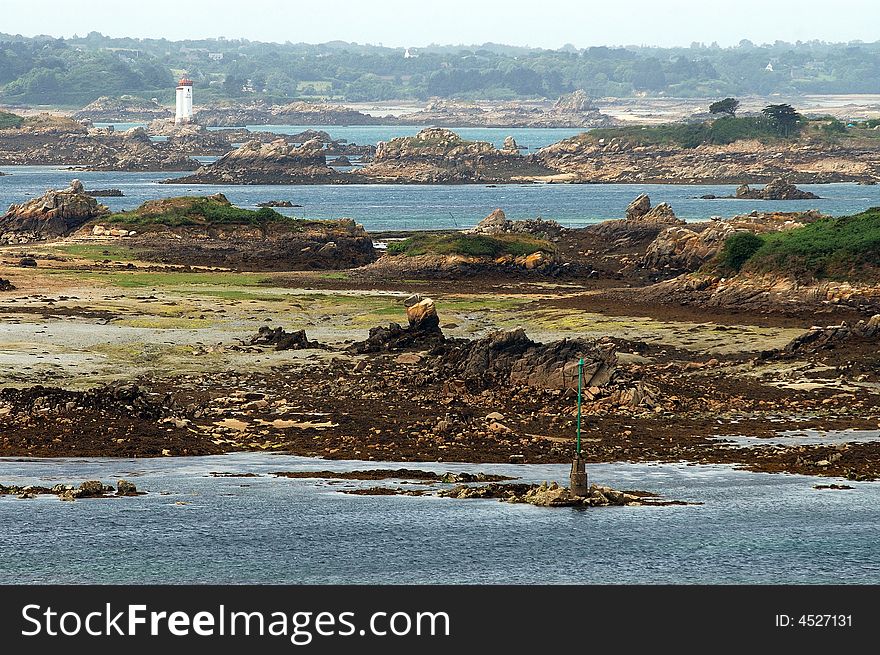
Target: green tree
x=727, y=106
x=783, y=118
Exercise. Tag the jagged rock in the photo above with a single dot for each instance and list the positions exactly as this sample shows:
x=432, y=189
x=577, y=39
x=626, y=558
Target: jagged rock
x=511, y=358
x=826, y=338
x=342, y=160
x=510, y=145
x=494, y=223
x=282, y=340
x=638, y=207
x=54, y=214
x=642, y=221
x=777, y=189
x=6, y=285
x=554, y=495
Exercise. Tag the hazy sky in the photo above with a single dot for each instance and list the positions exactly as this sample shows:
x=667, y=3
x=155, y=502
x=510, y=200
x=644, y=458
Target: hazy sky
x=548, y=24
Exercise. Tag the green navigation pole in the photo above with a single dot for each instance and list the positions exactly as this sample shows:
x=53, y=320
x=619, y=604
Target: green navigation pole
x=578, y=478
x=580, y=392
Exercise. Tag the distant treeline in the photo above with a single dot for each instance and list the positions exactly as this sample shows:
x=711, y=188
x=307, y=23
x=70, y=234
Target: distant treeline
x=44, y=70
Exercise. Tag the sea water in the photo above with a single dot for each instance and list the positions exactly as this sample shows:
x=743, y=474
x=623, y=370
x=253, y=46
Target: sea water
x=194, y=528
x=420, y=207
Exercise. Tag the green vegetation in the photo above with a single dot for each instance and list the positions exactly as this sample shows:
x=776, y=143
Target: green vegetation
x=8, y=120
x=739, y=248
x=720, y=131
x=727, y=106
x=845, y=248
x=98, y=253
x=474, y=245
x=75, y=71
x=194, y=211
x=784, y=119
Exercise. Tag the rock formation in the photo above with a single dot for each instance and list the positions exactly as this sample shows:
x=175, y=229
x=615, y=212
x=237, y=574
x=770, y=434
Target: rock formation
x=273, y=163
x=685, y=248
x=125, y=109
x=827, y=338
x=511, y=358
x=498, y=223
x=777, y=189
x=282, y=340
x=54, y=214
x=440, y=156
x=642, y=221
x=6, y=285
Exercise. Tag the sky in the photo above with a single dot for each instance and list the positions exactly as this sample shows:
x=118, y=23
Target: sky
x=413, y=23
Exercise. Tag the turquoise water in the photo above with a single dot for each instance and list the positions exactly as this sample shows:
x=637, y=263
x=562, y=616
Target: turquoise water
x=751, y=528
x=387, y=207
x=531, y=137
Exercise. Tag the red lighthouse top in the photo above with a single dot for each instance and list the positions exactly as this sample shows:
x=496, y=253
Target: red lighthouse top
x=184, y=81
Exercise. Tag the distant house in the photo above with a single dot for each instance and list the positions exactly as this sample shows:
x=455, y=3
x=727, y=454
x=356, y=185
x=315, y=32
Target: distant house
x=409, y=54
x=769, y=66
x=215, y=56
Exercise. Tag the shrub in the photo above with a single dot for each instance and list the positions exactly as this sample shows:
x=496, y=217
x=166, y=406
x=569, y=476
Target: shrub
x=739, y=248
x=8, y=120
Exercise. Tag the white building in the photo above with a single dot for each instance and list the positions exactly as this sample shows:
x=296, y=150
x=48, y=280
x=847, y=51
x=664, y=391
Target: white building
x=769, y=66
x=184, y=113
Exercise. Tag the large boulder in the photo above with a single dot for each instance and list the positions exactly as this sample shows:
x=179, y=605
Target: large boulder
x=54, y=214
x=422, y=314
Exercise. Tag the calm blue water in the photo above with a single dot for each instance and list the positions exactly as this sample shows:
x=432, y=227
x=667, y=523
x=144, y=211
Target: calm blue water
x=383, y=207
x=531, y=137
x=752, y=528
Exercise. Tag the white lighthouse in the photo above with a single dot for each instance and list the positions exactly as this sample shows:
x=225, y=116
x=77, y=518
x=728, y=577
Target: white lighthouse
x=184, y=112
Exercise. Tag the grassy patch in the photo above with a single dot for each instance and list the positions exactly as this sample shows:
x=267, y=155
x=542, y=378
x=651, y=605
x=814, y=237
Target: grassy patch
x=98, y=252
x=475, y=245
x=845, y=248
x=140, y=279
x=198, y=211
x=8, y=120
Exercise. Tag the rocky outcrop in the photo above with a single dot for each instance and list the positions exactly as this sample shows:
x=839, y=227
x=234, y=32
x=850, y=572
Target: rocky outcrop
x=778, y=189
x=511, y=358
x=620, y=159
x=105, y=193
x=123, y=109
x=440, y=156
x=282, y=340
x=498, y=223
x=54, y=214
x=827, y=338
x=293, y=113
x=423, y=330
x=685, y=248
x=56, y=141
x=576, y=102
x=273, y=163
x=6, y=285
x=554, y=495
x=642, y=221
x=571, y=110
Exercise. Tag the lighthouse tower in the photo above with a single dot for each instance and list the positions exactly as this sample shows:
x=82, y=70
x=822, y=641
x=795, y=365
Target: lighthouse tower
x=184, y=112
